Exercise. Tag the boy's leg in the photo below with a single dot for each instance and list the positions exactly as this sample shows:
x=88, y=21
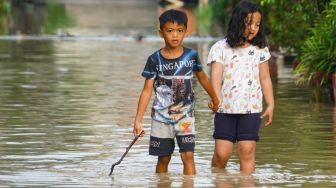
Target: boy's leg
x=247, y=136
x=222, y=153
x=162, y=164
x=162, y=144
x=185, y=136
x=225, y=136
x=188, y=163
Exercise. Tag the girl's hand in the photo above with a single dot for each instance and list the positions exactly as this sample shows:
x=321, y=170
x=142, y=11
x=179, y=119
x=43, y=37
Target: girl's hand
x=214, y=105
x=268, y=112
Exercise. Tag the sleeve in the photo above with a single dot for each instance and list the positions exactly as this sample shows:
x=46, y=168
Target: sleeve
x=197, y=66
x=149, y=71
x=216, y=54
x=264, y=55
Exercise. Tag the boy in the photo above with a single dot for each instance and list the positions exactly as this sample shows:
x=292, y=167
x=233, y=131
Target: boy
x=170, y=71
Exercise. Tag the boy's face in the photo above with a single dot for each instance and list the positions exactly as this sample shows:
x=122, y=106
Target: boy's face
x=252, y=24
x=173, y=34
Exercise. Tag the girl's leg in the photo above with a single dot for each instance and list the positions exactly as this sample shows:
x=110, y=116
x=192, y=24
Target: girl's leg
x=248, y=135
x=222, y=178
x=222, y=153
x=246, y=153
x=162, y=164
x=188, y=163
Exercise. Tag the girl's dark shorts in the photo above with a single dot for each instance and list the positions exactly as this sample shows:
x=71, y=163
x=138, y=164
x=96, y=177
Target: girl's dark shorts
x=237, y=127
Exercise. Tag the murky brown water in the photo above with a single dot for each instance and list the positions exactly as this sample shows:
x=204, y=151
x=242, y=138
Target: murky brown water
x=66, y=113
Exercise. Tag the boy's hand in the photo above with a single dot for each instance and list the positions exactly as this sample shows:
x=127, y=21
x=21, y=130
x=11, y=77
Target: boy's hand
x=137, y=130
x=268, y=112
x=214, y=105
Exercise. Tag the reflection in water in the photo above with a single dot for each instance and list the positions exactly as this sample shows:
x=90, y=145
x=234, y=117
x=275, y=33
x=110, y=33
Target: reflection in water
x=164, y=180
x=223, y=179
x=167, y=180
x=188, y=182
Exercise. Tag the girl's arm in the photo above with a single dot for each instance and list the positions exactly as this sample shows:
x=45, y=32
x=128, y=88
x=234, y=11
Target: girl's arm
x=142, y=105
x=203, y=79
x=267, y=89
x=216, y=77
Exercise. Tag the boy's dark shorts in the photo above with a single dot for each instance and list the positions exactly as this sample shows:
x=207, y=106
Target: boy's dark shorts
x=237, y=127
x=162, y=137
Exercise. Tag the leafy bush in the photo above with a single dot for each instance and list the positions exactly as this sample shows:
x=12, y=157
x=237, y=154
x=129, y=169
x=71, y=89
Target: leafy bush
x=287, y=22
x=318, y=52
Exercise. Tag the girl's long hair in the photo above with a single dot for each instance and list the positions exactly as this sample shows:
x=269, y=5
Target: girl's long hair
x=236, y=30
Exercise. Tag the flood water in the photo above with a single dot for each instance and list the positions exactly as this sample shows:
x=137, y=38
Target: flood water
x=67, y=106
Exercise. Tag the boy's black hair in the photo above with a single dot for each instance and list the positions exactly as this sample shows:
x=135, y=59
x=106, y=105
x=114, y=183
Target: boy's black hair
x=236, y=29
x=173, y=15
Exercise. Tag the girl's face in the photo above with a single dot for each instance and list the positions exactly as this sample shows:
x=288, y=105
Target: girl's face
x=252, y=23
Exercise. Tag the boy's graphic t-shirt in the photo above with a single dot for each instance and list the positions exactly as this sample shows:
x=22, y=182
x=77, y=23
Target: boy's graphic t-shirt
x=174, y=96
x=241, y=90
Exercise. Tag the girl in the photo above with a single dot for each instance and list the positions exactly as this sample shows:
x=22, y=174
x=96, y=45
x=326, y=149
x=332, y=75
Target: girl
x=240, y=78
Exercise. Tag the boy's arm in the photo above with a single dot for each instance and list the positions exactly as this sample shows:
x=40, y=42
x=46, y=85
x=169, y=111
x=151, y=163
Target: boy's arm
x=142, y=105
x=203, y=79
x=267, y=89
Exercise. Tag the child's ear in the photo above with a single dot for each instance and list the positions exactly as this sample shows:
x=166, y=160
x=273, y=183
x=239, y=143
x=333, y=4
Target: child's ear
x=187, y=34
x=160, y=32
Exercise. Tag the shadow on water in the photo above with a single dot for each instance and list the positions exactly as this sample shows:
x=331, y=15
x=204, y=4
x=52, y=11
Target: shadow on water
x=67, y=107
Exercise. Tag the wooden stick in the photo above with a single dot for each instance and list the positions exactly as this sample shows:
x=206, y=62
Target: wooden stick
x=127, y=149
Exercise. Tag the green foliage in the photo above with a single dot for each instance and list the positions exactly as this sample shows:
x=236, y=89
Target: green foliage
x=4, y=10
x=263, y=2
x=4, y=6
x=222, y=10
x=57, y=18
x=288, y=22
x=305, y=27
x=204, y=19
x=318, y=52
x=218, y=8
